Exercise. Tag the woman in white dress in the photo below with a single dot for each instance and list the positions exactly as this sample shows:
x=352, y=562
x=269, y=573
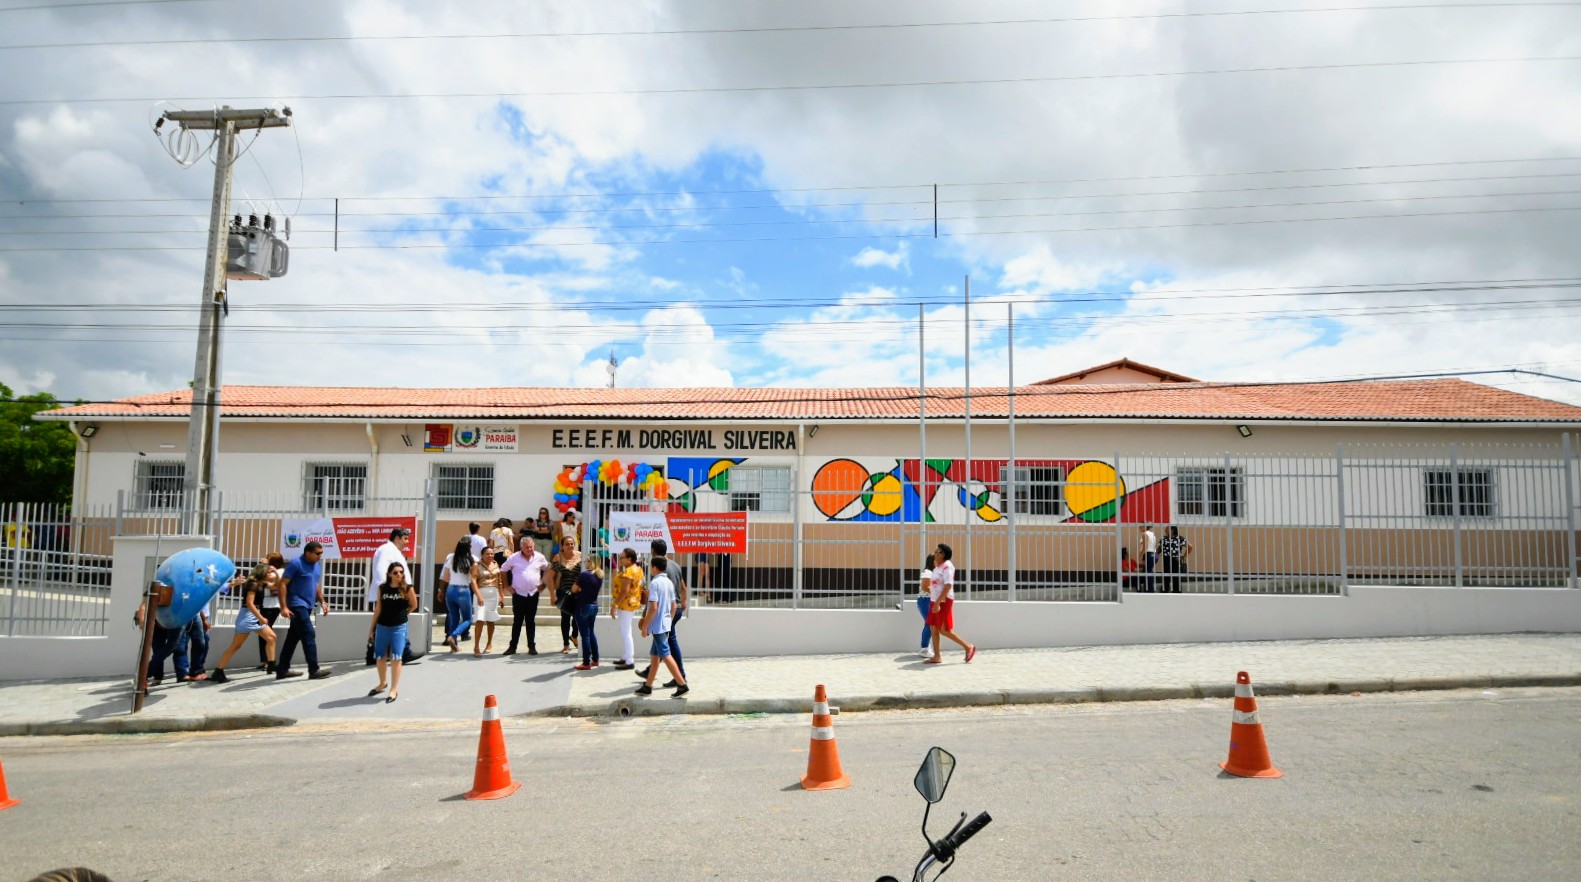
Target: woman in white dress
x=490, y=584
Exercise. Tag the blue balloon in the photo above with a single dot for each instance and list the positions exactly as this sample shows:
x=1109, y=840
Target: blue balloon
x=195, y=576
x=643, y=469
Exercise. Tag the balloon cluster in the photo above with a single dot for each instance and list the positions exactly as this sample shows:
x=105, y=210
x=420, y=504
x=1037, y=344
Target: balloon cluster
x=568, y=484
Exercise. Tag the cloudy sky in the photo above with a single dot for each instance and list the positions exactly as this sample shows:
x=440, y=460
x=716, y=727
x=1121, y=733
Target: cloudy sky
x=743, y=193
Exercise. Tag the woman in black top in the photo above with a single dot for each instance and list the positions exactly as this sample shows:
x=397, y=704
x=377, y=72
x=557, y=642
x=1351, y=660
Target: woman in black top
x=396, y=600
x=565, y=567
x=588, y=585
x=543, y=533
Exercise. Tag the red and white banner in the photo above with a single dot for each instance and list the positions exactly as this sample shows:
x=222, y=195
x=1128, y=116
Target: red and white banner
x=342, y=537
x=683, y=532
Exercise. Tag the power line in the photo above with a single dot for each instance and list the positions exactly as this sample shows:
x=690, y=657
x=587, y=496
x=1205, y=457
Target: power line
x=854, y=187
x=806, y=87
x=771, y=29
x=765, y=239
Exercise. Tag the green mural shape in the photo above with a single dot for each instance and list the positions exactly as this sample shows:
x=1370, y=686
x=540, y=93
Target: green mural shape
x=1101, y=513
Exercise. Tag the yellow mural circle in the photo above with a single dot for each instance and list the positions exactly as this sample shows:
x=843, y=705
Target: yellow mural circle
x=885, y=496
x=1091, y=486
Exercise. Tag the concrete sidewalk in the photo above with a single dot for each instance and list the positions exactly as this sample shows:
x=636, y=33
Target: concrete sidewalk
x=451, y=687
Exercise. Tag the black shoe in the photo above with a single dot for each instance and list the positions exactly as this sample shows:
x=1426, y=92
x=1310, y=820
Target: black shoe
x=281, y=675
x=219, y=676
x=643, y=673
x=509, y=652
x=269, y=668
x=532, y=651
x=672, y=684
x=624, y=666
x=319, y=674
x=680, y=691
x=155, y=681
x=645, y=689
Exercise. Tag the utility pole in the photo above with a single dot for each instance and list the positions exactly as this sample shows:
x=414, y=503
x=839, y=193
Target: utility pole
x=204, y=423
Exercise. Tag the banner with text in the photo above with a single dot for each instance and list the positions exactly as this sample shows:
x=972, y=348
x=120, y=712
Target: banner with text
x=342, y=537
x=684, y=532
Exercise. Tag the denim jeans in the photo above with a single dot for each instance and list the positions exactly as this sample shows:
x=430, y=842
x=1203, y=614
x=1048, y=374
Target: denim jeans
x=197, y=645
x=167, y=642
x=458, y=603
x=586, y=616
x=675, y=645
x=922, y=607
x=1149, y=561
x=300, y=631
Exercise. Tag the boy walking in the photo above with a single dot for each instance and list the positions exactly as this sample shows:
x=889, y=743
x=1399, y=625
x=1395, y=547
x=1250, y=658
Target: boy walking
x=656, y=624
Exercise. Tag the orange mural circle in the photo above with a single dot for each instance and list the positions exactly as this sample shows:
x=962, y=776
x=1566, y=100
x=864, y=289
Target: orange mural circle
x=838, y=483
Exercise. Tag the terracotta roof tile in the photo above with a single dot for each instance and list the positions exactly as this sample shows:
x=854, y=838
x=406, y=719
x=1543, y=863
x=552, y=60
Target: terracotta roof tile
x=1414, y=400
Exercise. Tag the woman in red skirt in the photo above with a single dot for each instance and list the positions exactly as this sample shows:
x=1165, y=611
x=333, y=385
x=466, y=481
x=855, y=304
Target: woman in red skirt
x=941, y=614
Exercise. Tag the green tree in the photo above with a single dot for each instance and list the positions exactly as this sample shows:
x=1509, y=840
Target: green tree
x=36, y=459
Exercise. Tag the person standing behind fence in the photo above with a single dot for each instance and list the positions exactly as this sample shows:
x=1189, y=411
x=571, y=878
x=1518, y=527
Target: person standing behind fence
x=924, y=603
x=249, y=621
x=566, y=567
x=395, y=601
x=269, y=606
x=625, y=602
x=1174, y=549
x=461, y=580
x=589, y=584
x=525, y=571
x=502, y=539
x=1149, y=558
x=941, y=613
x=304, y=590
x=489, y=579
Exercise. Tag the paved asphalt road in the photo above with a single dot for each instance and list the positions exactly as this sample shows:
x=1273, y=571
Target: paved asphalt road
x=1445, y=785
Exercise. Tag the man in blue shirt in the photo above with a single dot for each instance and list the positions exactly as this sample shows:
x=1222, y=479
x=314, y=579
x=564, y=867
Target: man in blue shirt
x=304, y=581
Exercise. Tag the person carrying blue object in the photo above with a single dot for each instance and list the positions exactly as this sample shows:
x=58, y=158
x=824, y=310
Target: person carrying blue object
x=304, y=589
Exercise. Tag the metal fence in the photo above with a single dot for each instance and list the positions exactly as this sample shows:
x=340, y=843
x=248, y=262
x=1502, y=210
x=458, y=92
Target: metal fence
x=54, y=570
x=1034, y=530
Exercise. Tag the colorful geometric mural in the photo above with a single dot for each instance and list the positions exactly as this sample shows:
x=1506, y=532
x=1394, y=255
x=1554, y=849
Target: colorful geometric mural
x=847, y=490
x=689, y=473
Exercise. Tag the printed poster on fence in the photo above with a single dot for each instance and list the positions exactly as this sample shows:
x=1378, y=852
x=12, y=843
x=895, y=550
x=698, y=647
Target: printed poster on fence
x=342, y=538
x=683, y=532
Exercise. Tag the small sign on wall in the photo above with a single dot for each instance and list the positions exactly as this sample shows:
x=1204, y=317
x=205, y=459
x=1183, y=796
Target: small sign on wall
x=452, y=438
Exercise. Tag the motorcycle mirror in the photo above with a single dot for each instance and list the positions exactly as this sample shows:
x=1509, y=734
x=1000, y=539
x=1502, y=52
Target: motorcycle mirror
x=934, y=774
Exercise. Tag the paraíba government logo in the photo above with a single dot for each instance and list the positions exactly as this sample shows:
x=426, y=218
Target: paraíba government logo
x=468, y=436
x=293, y=540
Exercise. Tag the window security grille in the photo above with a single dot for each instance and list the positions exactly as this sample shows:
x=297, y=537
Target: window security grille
x=335, y=486
x=158, y=484
x=759, y=489
x=465, y=487
x=1212, y=492
x=1038, y=490
x=1476, y=493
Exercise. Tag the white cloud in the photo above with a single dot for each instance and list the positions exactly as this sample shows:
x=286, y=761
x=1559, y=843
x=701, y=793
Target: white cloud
x=898, y=259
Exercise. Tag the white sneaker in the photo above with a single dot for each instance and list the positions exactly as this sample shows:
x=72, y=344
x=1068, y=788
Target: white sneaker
x=926, y=653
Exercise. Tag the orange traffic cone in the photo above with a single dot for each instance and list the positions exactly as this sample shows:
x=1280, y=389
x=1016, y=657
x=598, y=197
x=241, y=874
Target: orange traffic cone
x=492, y=779
x=1248, y=751
x=823, y=757
x=5, y=798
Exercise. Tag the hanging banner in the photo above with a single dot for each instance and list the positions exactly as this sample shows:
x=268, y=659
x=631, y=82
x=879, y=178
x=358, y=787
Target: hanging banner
x=683, y=532
x=342, y=537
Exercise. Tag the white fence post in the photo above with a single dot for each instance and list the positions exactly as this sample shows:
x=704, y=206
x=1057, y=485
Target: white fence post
x=1570, y=511
x=1119, y=531
x=1454, y=503
x=1229, y=522
x=13, y=547
x=796, y=550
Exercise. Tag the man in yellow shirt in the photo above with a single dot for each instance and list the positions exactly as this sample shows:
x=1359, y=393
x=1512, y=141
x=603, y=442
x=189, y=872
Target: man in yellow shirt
x=625, y=601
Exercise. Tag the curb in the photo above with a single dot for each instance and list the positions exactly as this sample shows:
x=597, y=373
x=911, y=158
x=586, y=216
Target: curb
x=130, y=725
x=936, y=700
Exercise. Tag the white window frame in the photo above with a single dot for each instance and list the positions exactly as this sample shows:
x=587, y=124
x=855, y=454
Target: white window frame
x=1201, y=503
x=145, y=496
x=1024, y=501
x=330, y=498
x=759, y=498
x=467, y=497
x=1438, y=495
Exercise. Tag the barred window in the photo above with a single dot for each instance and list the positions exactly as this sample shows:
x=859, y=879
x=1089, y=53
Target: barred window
x=759, y=489
x=1476, y=493
x=332, y=486
x=157, y=484
x=465, y=487
x=1213, y=492
x=1039, y=490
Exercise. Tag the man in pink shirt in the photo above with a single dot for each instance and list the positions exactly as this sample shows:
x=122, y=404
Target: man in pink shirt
x=524, y=570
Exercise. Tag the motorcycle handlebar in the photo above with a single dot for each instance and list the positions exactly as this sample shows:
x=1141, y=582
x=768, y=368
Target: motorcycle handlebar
x=954, y=841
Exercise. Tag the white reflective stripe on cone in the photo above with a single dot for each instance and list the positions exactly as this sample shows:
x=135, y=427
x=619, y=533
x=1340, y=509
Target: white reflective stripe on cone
x=1249, y=719
x=1244, y=690
x=820, y=707
x=491, y=713
x=823, y=733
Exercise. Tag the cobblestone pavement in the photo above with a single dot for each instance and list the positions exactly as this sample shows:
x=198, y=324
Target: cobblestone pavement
x=453, y=687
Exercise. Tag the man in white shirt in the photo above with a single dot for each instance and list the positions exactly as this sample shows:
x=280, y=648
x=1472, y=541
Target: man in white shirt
x=393, y=551
x=656, y=624
x=1149, y=557
x=479, y=543
x=525, y=570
